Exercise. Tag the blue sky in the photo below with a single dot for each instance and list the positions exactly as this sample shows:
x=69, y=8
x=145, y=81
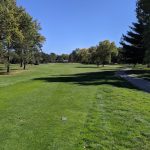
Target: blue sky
x=70, y=24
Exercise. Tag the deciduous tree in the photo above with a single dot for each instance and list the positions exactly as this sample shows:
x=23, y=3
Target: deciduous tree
x=9, y=32
x=104, y=52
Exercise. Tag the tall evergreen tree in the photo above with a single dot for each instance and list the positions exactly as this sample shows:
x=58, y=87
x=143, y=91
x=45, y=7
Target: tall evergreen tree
x=133, y=44
x=145, y=5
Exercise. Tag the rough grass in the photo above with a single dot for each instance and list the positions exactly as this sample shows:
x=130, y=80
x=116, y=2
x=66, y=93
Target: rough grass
x=103, y=112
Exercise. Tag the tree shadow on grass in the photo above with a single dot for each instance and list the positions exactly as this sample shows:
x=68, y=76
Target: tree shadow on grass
x=2, y=68
x=100, y=67
x=3, y=73
x=88, y=67
x=90, y=79
x=145, y=74
x=138, y=71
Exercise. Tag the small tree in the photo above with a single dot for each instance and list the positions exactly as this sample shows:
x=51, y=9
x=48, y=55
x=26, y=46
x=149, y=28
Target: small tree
x=53, y=57
x=92, y=51
x=74, y=56
x=65, y=57
x=84, y=56
x=104, y=52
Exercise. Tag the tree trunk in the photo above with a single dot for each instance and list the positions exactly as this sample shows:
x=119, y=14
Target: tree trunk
x=8, y=67
x=21, y=63
x=8, y=62
x=24, y=66
x=24, y=59
x=97, y=65
x=21, y=60
x=103, y=64
x=134, y=65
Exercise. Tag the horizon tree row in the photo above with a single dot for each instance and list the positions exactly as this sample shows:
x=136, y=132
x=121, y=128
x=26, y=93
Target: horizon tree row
x=105, y=52
x=19, y=35
x=135, y=45
x=54, y=58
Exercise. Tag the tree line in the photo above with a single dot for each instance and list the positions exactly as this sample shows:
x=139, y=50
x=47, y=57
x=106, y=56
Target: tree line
x=20, y=39
x=104, y=53
x=54, y=58
x=135, y=45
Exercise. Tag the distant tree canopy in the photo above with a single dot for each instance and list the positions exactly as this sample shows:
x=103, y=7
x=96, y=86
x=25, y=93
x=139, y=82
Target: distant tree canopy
x=20, y=39
x=65, y=57
x=53, y=57
x=135, y=44
x=104, y=53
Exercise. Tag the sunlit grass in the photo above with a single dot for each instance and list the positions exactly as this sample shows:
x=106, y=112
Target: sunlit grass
x=100, y=110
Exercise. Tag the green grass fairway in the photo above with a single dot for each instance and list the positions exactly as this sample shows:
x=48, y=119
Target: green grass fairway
x=72, y=107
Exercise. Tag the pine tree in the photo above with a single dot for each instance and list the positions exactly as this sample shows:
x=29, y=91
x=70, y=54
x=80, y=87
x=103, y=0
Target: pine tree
x=145, y=5
x=133, y=45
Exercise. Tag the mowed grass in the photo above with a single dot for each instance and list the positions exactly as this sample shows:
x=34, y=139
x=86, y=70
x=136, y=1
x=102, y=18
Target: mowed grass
x=101, y=111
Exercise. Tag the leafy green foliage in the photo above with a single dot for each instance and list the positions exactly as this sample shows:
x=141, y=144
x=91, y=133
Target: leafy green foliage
x=9, y=33
x=101, y=54
x=20, y=33
x=53, y=57
x=104, y=52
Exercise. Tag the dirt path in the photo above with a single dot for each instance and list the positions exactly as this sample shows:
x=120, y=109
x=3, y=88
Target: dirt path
x=137, y=82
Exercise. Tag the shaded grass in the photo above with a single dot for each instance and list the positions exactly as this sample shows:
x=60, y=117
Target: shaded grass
x=141, y=73
x=90, y=78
